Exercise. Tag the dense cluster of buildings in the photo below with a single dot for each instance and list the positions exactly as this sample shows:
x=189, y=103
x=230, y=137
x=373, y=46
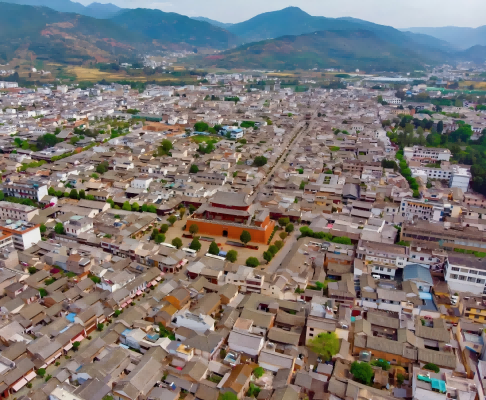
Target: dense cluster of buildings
x=99, y=301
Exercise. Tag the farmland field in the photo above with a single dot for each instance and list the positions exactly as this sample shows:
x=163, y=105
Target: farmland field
x=92, y=74
x=206, y=139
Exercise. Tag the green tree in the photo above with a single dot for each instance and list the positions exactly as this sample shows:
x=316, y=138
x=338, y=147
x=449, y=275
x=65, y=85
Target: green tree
x=43, y=228
x=135, y=207
x=32, y=270
x=41, y=372
x=59, y=228
x=51, y=191
x=382, y=364
x=267, y=256
x=201, y=126
x=273, y=249
x=342, y=240
x=166, y=146
x=172, y=219
x=182, y=212
x=194, y=169
x=102, y=167
x=278, y=244
x=164, y=228
x=253, y=391
x=126, y=206
x=191, y=209
x=152, y=209
x=195, y=244
x=259, y=161
x=159, y=238
x=100, y=327
x=47, y=140
x=440, y=127
x=193, y=229
x=258, y=372
x=433, y=139
x=82, y=194
x=252, y=262
x=325, y=344
x=232, y=256
x=73, y=194
x=177, y=242
x=245, y=237
x=283, y=221
x=289, y=228
x=362, y=372
x=229, y=396
x=431, y=367
x=421, y=138
x=283, y=235
x=76, y=345
x=213, y=249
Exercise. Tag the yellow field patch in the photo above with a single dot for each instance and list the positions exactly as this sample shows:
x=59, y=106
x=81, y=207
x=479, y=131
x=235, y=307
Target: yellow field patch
x=91, y=74
x=477, y=85
x=282, y=74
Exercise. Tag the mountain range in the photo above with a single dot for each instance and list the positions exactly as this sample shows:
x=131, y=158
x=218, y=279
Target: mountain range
x=213, y=22
x=461, y=38
x=95, y=10
x=67, y=32
x=323, y=49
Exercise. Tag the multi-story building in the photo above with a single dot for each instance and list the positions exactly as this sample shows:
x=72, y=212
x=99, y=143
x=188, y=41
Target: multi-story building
x=475, y=308
x=77, y=225
x=466, y=273
x=426, y=154
x=229, y=214
x=449, y=238
x=434, y=258
x=393, y=100
x=458, y=177
x=474, y=199
x=210, y=178
x=17, y=211
x=427, y=210
x=25, y=189
x=141, y=182
x=246, y=279
x=24, y=234
x=357, y=166
x=384, y=258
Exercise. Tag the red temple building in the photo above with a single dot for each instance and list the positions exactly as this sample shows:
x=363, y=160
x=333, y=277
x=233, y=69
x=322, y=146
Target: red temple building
x=229, y=214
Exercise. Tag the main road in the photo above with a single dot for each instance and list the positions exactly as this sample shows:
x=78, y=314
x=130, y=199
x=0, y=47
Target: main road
x=297, y=133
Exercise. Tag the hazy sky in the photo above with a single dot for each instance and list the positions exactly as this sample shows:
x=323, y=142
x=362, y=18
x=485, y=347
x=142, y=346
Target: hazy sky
x=400, y=14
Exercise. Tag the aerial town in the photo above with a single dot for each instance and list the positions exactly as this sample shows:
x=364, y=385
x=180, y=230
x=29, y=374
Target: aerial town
x=217, y=242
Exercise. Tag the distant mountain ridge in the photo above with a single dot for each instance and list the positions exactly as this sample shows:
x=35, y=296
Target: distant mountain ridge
x=95, y=10
x=213, y=22
x=302, y=41
x=461, y=38
x=41, y=33
x=172, y=27
x=294, y=21
x=323, y=49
